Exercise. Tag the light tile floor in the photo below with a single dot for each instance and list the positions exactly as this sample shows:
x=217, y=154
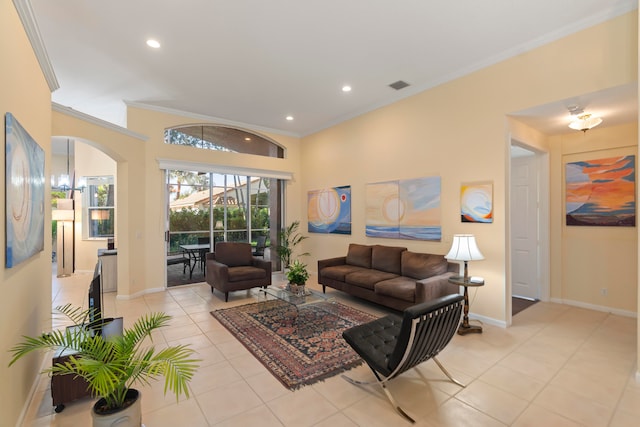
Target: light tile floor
x=556, y=366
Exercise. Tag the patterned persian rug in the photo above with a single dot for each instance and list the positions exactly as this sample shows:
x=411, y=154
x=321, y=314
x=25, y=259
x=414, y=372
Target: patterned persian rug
x=299, y=347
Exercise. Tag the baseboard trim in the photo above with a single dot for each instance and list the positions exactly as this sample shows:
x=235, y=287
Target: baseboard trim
x=616, y=311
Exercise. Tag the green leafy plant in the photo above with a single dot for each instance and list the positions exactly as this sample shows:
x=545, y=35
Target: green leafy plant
x=112, y=366
x=298, y=274
x=288, y=239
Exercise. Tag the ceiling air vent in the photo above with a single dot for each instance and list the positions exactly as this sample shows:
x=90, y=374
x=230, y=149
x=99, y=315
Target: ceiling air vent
x=398, y=85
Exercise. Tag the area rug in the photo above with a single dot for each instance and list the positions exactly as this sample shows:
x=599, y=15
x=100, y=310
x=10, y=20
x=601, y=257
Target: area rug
x=299, y=347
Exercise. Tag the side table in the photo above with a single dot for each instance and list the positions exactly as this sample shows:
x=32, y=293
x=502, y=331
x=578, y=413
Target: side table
x=465, y=327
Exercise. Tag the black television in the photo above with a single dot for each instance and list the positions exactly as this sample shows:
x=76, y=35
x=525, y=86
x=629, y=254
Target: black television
x=95, y=295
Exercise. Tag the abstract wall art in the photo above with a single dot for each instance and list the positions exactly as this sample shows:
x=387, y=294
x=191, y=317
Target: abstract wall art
x=476, y=202
x=329, y=210
x=404, y=209
x=601, y=192
x=24, y=180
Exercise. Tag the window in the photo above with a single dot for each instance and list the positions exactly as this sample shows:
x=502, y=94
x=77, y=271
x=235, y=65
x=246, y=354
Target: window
x=99, y=210
x=222, y=138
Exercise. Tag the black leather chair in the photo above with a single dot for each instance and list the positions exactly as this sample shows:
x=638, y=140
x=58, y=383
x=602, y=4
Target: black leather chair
x=394, y=344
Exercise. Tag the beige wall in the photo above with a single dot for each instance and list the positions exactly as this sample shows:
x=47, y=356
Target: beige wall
x=26, y=288
x=459, y=131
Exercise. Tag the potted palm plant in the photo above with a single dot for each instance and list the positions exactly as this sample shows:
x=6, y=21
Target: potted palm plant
x=112, y=366
x=297, y=276
x=288, y=239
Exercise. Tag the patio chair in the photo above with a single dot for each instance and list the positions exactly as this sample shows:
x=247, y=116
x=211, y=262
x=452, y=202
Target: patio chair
x=261, y=245
x=394, y=344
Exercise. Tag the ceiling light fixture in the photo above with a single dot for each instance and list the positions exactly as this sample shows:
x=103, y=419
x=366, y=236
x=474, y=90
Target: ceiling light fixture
x=289, y=118
x=346, y=88
x=153, y=43
x=584, y=122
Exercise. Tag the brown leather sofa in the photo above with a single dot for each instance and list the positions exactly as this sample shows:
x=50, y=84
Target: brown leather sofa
x=232, y=267
x=388, y=275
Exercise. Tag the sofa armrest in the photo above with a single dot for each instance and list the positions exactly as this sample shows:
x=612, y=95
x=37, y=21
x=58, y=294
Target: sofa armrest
x=435, y=287
x=217, y=272
x=330, y=262
x=260, y=263
x=211, y=256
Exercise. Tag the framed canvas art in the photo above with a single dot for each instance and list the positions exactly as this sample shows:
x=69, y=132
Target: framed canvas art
x=24, y=181
x=404, y=209
x=329, y=210
x=476, y=202
x=601, y=192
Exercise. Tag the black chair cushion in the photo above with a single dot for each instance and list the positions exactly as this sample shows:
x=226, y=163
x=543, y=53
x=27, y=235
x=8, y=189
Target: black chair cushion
x=375, y=341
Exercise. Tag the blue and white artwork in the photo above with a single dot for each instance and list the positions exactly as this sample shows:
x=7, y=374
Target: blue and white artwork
x=329, y=210
x=24, y=178
x=404, y=209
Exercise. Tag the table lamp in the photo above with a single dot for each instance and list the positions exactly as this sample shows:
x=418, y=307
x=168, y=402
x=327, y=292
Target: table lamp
x=464, y=248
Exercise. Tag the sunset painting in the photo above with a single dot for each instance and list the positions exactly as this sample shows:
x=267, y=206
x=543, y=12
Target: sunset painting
x=601, y=192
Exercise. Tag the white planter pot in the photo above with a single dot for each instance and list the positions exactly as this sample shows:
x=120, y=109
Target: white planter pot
x=131, y=416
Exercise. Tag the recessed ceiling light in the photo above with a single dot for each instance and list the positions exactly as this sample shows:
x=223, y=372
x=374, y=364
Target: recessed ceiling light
x=289, y=118
x=153, y=43
x=247, y=138
x=346, y=88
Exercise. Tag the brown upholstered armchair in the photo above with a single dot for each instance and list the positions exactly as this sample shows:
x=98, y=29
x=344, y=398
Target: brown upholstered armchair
x=232, y=267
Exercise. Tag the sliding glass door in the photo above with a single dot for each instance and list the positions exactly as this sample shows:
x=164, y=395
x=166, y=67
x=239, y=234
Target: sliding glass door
x=206, y=208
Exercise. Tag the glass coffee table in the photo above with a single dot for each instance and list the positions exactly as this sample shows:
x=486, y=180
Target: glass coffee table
x=295, y=317
x=309, y=296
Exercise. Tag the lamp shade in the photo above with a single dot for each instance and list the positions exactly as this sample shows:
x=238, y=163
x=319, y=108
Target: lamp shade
x=62, y=215
x=464, y=248
x=99, y=214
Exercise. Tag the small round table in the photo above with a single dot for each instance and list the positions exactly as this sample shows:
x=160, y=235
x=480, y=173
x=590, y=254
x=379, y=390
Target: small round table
x=465, y=327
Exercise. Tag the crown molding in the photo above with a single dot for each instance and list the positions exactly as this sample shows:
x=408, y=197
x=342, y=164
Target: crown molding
x=25, y=12
x=210, y=119
x=96, y=121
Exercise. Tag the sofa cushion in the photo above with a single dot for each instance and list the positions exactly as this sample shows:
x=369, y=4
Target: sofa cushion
x=366, y=278
x=387, y=258
x=359, y=255
x=422, y=266
x=239, y=274
x=400, y=287
x=338, y=272
x=233, y=254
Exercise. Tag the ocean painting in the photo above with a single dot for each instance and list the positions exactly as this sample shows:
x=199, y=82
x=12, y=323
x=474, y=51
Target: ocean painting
x=601, y=192
x=329, y=210
x=404, y=209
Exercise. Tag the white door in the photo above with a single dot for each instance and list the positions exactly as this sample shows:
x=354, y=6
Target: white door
x=525, y=280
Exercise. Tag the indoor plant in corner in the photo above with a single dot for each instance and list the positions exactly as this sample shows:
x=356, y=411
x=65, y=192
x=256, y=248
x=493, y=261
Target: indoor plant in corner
x=288, y=239
x=297, y=276
x=111, y=366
